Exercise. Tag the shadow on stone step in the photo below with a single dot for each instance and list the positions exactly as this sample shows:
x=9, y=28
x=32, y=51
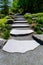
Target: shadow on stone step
x=38, y=40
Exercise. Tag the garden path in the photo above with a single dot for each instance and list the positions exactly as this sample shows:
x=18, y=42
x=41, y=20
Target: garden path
x=21, y=40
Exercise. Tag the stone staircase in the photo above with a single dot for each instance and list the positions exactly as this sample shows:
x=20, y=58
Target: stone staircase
x=21, y=37
x=18, y=24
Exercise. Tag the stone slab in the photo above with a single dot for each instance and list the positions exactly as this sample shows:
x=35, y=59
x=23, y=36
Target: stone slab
x=20, y=25
x=2, y=42
x=20, y=46
x=21, y=32
x=20, y=21
x=42, y=29
x=38, y=38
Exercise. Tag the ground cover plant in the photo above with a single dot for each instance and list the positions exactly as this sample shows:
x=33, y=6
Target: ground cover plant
x=36, y=21
x=4, y=28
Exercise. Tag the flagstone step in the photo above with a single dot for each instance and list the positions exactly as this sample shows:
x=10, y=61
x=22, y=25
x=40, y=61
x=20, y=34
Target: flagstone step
x=20, y=16
x=2, y=42
x=38, y=38
x=20, y=45
x=42, y=29
x=20, y=21
x=17, y=32
x=20, y=25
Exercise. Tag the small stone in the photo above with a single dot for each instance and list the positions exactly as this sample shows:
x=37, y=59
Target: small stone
x=2, y=42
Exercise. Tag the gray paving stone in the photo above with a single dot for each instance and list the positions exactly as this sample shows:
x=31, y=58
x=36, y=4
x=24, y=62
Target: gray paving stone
x=20, y=21
x=20, y=46
x=38, y=38
x=20, y=25
x=42, y=29
x=34, y=57
x=2, y=42
x=17, y=32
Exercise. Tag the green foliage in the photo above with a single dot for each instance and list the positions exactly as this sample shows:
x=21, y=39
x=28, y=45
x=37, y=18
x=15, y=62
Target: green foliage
x=5, y=7
x=20, y=10
x=28, y=15
x=32, y=6
x=2, y=21
x=4, y=28
x=36, y=23
x=37, y=30
x=1, y=15
x=38, y=17
x=30, y=21
x=7, y=17
x=15, y=6
x=40, y=20
x=6, y=34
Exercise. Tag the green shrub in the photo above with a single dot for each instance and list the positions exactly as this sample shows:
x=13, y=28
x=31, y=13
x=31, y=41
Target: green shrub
x=6, y=34
x=36, y=28
x=1, y=16
x=20, y=10
x=40, y=20
x=37, y=15
x=3, y=21
x=7, y=17
x=7, y=26
x=30, y=21
x=28, y=15
x=39, y=32
x=2, y=27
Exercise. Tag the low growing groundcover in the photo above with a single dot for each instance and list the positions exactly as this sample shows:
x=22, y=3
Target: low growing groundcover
x=4, y=28
x=36, y=20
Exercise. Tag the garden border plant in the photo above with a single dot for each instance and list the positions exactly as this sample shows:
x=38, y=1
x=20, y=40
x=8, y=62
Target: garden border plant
x=5, y=28
x=36, y=20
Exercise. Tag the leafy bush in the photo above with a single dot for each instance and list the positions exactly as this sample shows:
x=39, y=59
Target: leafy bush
x=7, y=26
x=39, y=32
x=2, y=21
x=38, y=17
x=28, y=15
x=31, y=6
x=20, y=10
x=6, y=34
x=30, y=21
x=4, y=28
x=1, y=16
x=37, y=29
x=40, y=20
x=7, y=17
